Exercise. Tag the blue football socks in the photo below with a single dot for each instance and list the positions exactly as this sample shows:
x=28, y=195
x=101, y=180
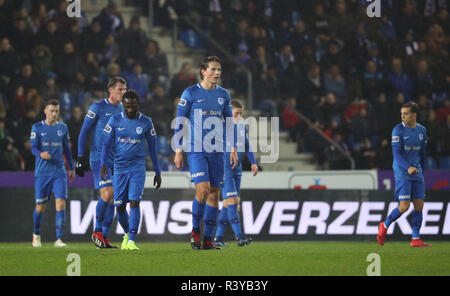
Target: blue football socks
x=135, y=218
x=198, y=210
x=123, y=218
x=222, y=223
x=60, y=221
x=394, y=215
x=37, y=218
x=233, y=218
x=416, y=222
x=108, y=219
x=210, y=222
x=100, y=214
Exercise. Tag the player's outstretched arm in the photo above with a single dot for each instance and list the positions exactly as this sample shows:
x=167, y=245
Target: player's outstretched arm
x=82, y=162
x=234, y=160
x=109, y=135
x=178, y=159
x=152, y=150
x=68, y=155
x=251, y=156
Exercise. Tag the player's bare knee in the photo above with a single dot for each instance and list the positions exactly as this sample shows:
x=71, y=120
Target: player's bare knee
x=418, y=204
x=60, y=204
x=107, y=194
x=403, y=206
x=203, y=192
x=233, y=200
x=40, y=208
x=213, y=199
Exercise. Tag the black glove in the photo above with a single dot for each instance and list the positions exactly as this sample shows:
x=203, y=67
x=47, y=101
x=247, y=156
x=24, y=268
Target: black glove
x=157, y=181
x=81, y=166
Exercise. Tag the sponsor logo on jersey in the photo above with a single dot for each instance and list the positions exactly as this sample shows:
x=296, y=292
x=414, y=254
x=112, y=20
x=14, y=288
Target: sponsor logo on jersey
x=395, y=139
x=413, y=148
x=234, y=193
x=33, y=135
x=52, y=144
x=182, y=102
x=153, y=132
x=107, y=129
x=211, y=112
x=128, y=140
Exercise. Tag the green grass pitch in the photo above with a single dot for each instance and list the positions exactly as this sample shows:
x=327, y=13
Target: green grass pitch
x=257, y=259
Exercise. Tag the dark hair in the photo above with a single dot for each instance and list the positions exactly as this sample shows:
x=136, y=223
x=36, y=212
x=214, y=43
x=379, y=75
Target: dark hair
x=413, y=107
x=116, y=79
x=53, y=102
x=236, y=104
x=131, y=94
x=205, y=63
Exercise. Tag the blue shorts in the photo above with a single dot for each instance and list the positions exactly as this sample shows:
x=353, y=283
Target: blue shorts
x=232, y=187
x=98, y=182
x=206, y=167
x=45, y=185
x=128, y=186
x=409, y=189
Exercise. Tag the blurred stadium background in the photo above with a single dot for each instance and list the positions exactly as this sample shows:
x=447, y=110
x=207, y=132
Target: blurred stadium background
x=334, y=77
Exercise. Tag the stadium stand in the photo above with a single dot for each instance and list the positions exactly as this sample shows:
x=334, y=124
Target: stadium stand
x=348, y=73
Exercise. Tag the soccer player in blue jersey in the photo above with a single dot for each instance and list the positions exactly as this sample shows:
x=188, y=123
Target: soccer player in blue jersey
x=50, y=144
x=408, y=147
x=126, y=133
x=203, y=106
x=94, y=122
x=231, y=191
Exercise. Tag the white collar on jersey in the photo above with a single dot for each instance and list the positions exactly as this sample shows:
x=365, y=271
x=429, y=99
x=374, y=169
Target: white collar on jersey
x=200, y=86
x=140, y=114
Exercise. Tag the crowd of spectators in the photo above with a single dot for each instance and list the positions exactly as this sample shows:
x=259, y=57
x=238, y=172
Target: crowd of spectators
x=44, y=54
x=348, y=73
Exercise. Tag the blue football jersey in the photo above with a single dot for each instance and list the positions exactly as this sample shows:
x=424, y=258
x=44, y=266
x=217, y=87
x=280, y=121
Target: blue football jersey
x=242, y=145
x=95, y=120
x=411, y=144
x=127, y=137
x=205, y=110
x=56, y=140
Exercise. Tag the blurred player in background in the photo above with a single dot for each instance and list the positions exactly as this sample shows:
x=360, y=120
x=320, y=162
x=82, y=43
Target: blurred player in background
x=205, y=102
x=408, y=147
x=50, y=144
x=96, y=118
x=126, y=133
x=231, y=191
